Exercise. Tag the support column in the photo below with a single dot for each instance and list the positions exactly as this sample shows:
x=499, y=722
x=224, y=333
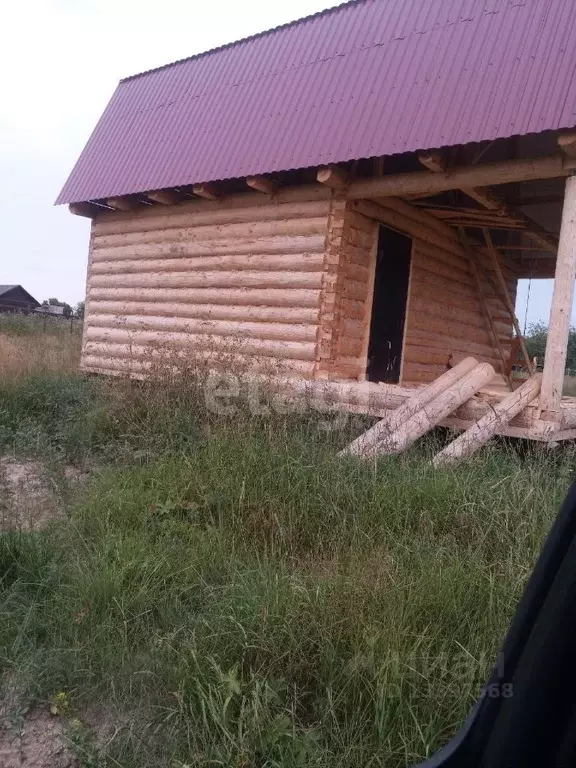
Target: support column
x=560, y=311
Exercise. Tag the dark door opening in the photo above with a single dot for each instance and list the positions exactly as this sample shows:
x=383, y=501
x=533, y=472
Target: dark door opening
x=389, y=306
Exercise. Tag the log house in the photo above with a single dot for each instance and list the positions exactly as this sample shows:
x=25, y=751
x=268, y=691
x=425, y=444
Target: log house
x=370, y=276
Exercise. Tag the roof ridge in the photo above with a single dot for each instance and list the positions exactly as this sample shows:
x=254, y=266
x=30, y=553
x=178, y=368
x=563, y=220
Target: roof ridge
x=255, y=36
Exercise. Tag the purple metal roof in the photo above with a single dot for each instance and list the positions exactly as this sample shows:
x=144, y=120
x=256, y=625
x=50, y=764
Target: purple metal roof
x=368, y=78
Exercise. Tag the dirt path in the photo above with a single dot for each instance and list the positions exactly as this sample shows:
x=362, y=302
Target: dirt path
x=35, y=740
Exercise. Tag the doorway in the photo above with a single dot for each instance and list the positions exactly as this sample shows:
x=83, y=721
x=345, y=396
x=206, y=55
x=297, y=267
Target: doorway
x=390, y=298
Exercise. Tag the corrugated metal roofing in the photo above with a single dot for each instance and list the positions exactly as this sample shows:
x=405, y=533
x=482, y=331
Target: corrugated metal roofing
x=368, y=78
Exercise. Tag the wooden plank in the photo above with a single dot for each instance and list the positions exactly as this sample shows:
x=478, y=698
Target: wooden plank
x=561, y=309
x=487, y=174
x=365, y=444
x=490, y=424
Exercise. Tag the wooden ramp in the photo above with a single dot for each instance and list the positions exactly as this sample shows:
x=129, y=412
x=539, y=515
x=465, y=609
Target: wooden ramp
x=429, y=406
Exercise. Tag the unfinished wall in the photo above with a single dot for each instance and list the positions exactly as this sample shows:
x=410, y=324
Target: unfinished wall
x=231, y=283
x=445, y=314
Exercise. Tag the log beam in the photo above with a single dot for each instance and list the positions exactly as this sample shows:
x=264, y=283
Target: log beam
x=207, y=191
x=488, y=199
x=567, y=143
x=262, y=184
x=89, y=210
x=487, y=174
x=561, y=310
x=163, y=196
x=334, y=176
x=434, y=161
x=121, y=204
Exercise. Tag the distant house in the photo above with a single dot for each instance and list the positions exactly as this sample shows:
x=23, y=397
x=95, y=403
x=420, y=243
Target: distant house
x=13, y=298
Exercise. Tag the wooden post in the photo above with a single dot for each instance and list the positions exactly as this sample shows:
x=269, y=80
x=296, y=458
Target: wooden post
x=560, y=311
x=496, y=418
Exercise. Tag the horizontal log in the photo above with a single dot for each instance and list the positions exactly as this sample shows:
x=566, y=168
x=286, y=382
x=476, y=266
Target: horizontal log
x=241, y=330
x=424, y=290
x=407, y=225
x=410, y=371
x=430, y=252
x=250, y=206
x=265, y=245
x=192, y=231
x=431, y=340
x=269, y=297
x=486, y=174
x=283, y=349
x=417, y=354
x=206, y=311
x=305, y=262
x=98, y=360
x=457, y=276
x=424, y=321
x=472, y=319
x=222, y=279
x=420, y=216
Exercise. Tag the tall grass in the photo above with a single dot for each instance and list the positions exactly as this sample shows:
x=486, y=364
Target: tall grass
x=236, y=595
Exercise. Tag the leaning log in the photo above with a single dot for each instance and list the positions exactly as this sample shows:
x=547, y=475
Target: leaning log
x=498, y=417
x=366, y=443
x=429, y=416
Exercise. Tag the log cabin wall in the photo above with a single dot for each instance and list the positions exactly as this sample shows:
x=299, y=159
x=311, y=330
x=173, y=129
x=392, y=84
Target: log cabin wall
x=346, y=293
x=444, y=315
x=237, y=283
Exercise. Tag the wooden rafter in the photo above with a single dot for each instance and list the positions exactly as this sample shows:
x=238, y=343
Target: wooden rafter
x=89, y=210
x=262, y=184
x=334, y=176
x=505, y=172
x=163, y=196
x=490, y=200
x=121, y=203
x=567, y=143
x=434, y=161
x=207, y=191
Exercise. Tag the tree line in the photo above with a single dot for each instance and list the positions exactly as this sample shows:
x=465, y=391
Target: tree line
x=68, y=310
x=536, y=337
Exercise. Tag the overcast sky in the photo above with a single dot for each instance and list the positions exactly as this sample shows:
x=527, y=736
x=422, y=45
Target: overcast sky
x=60, y=62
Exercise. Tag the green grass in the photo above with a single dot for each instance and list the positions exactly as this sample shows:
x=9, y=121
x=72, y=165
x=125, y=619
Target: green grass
x=238, y=596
